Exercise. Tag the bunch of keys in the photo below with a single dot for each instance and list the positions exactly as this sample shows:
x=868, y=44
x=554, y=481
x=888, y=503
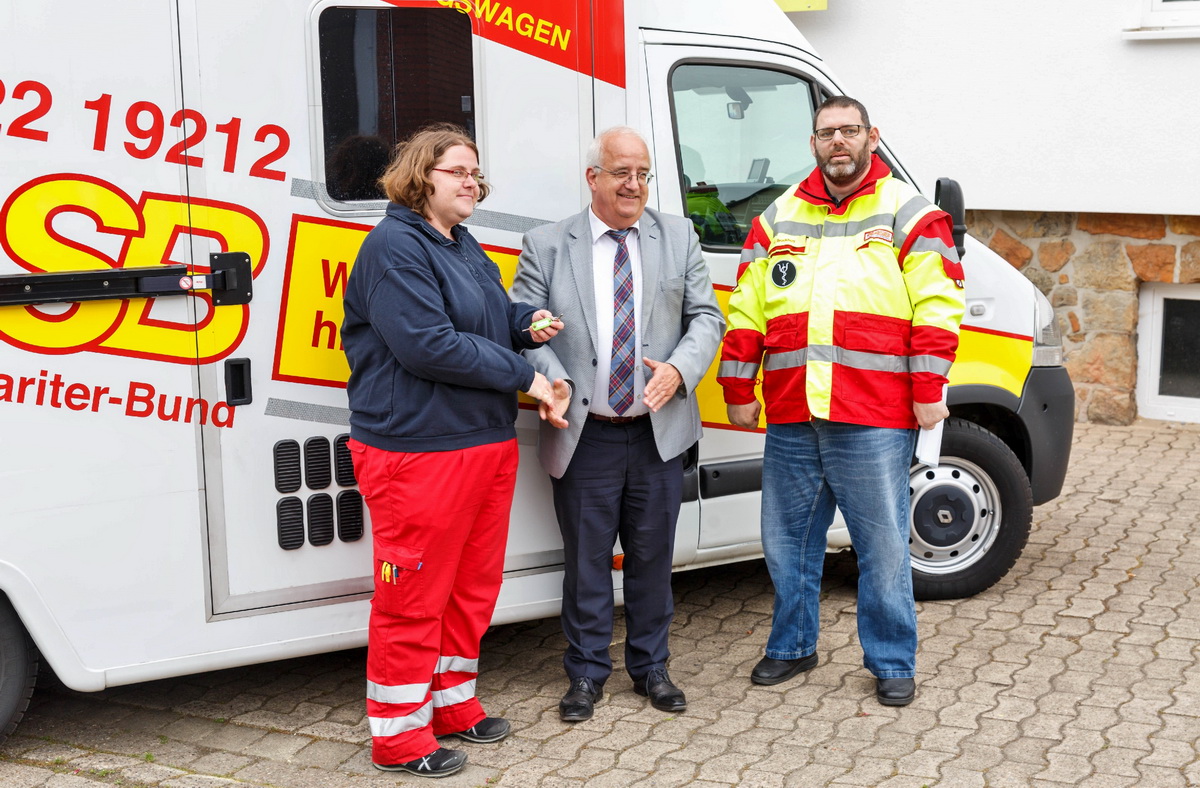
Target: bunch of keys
x=545, y=322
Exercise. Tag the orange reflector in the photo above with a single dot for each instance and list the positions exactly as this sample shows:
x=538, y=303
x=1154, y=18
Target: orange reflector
x=618, y=562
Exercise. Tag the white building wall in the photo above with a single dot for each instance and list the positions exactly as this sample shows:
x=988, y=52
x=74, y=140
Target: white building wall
x=1030, y=105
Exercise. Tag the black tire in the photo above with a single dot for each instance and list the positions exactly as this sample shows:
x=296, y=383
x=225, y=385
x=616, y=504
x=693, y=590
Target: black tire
x=970, y=516
x=18, y=669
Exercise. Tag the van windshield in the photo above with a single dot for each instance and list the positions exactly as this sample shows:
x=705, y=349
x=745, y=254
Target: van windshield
x=743, y=138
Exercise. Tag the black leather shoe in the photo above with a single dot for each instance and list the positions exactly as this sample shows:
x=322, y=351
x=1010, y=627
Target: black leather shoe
x=486, y=731
x=439, y=763
x=895, y=692
x=663, y=695
x=776, y=671
x=580, y=701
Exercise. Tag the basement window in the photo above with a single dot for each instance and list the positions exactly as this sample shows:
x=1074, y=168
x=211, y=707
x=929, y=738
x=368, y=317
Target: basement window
x=1168, y=384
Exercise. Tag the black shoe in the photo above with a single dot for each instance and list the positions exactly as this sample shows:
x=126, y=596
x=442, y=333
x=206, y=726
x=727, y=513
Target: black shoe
x=439, y=763
x=486, y=731
x=895, y=692
x=776, y=671
x=580, y=701
x=663, y=695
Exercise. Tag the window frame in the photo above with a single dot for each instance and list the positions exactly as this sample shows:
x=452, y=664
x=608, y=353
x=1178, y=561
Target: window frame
x=317, y=155
x=1153, y=19
x=816, y=91
x=1151, y=310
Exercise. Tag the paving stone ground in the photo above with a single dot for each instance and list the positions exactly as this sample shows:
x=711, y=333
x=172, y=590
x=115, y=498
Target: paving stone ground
x=1080, y=668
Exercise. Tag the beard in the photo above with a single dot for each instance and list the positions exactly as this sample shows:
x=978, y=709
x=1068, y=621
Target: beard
x=846, y=173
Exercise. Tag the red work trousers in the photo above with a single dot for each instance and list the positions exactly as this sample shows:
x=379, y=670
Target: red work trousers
x=440, y=523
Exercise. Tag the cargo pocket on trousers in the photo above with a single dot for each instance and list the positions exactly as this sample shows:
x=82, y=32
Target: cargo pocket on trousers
x=400, y=583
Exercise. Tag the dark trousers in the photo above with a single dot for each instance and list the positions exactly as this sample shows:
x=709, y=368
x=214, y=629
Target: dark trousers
x=616, y=485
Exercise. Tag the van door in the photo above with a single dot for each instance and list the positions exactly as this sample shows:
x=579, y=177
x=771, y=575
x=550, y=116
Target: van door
x=99, y=398
x=286, y=524
x=301, y=145
x=736, y=139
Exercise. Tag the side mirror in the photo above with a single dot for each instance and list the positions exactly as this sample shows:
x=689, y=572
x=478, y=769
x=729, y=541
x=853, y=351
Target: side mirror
x=949, y=197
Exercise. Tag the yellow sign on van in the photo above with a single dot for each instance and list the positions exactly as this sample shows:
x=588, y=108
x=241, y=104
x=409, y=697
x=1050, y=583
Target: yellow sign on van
x=802, y=5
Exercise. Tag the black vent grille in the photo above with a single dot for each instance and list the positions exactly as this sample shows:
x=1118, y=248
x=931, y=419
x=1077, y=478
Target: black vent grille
x=343, y=463
x=320, y=519
x=350, y=516
x=287, y=466
x=289, y=522
x=317, y=471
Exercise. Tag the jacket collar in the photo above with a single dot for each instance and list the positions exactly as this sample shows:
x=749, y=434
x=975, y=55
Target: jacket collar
x=421, y=224
x=813, y=189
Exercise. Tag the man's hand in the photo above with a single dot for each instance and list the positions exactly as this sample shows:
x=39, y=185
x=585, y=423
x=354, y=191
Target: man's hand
x=662, y=385
x=562, y=398
x=547, y=333
x=930, y=413
x=744, y=415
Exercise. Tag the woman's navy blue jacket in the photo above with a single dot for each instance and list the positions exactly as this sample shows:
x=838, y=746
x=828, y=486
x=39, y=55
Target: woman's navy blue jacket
x=432, y=339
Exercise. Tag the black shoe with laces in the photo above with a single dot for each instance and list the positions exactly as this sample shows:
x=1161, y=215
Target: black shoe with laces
x=439, y=763
x=663, y=694
x=580, y=701
x=486, y=731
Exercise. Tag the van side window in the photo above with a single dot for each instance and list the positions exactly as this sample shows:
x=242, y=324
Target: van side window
x=743, y=138
x=384, y=74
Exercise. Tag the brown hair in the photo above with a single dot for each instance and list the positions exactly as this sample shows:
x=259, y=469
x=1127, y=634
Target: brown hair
x=406, y=180
x=842, y=101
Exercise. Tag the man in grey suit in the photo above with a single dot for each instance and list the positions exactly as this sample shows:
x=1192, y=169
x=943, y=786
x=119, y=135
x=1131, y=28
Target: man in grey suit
x=642, y=327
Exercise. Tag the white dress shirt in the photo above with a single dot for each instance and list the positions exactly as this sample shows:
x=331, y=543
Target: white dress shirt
x=604, y=252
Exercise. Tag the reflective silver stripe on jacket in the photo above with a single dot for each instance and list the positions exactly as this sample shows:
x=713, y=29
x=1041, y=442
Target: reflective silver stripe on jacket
x=905, y=214
x=747, y=370
x=925, y=244
x=934, y=364
x=855, y=359
x=798, y=228
x=750, y=255
x=787, y=360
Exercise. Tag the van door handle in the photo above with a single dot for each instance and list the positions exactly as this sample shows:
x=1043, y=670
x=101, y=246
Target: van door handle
x=237, y=381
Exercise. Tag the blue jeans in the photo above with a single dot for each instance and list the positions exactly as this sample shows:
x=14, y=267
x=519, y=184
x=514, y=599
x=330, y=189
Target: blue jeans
x=809, y=469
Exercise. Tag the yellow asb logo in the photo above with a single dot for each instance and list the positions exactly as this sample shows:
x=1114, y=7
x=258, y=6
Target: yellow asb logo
x=147, y=231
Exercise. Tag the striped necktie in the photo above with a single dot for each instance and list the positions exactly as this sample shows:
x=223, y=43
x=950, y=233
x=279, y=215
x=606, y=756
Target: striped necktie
x=620, y=377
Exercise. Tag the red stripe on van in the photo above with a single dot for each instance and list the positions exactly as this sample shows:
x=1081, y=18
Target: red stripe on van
x=587, y=36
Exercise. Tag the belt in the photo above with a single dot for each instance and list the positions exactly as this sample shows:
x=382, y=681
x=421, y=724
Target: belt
x=617, y=419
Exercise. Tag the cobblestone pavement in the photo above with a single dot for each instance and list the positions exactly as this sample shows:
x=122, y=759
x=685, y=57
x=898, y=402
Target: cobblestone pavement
x=1081, y=667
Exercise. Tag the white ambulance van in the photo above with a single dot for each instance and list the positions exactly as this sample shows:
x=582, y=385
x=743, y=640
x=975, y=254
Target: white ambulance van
x=183, y=187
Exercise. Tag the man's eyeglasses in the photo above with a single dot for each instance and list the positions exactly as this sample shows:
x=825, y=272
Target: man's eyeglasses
x=458, y=173
x=849, y=132
x=624, y=175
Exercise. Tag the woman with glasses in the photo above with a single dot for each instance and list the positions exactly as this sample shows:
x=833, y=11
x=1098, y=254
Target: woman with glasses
x=433, y=344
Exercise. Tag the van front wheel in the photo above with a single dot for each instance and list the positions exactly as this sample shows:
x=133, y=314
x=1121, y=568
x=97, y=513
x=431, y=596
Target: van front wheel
x=18, y=668
x=971, y=515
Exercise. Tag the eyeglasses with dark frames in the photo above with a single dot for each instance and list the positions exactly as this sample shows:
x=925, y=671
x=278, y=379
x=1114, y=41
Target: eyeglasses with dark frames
x=849, y=132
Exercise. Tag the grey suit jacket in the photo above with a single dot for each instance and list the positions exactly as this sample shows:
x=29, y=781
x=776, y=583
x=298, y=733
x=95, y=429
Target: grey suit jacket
x=681, y=322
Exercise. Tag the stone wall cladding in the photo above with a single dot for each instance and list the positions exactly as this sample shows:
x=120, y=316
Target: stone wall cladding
x=1091, y=266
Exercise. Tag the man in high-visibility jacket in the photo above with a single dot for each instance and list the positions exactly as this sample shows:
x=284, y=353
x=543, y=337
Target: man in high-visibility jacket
x=848, y=300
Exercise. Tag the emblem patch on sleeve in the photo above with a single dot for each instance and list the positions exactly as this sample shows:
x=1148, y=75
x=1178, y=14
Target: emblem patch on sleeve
x=783, y=273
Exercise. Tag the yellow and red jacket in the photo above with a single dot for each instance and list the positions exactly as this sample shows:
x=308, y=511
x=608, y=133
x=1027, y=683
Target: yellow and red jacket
x=850, y=309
